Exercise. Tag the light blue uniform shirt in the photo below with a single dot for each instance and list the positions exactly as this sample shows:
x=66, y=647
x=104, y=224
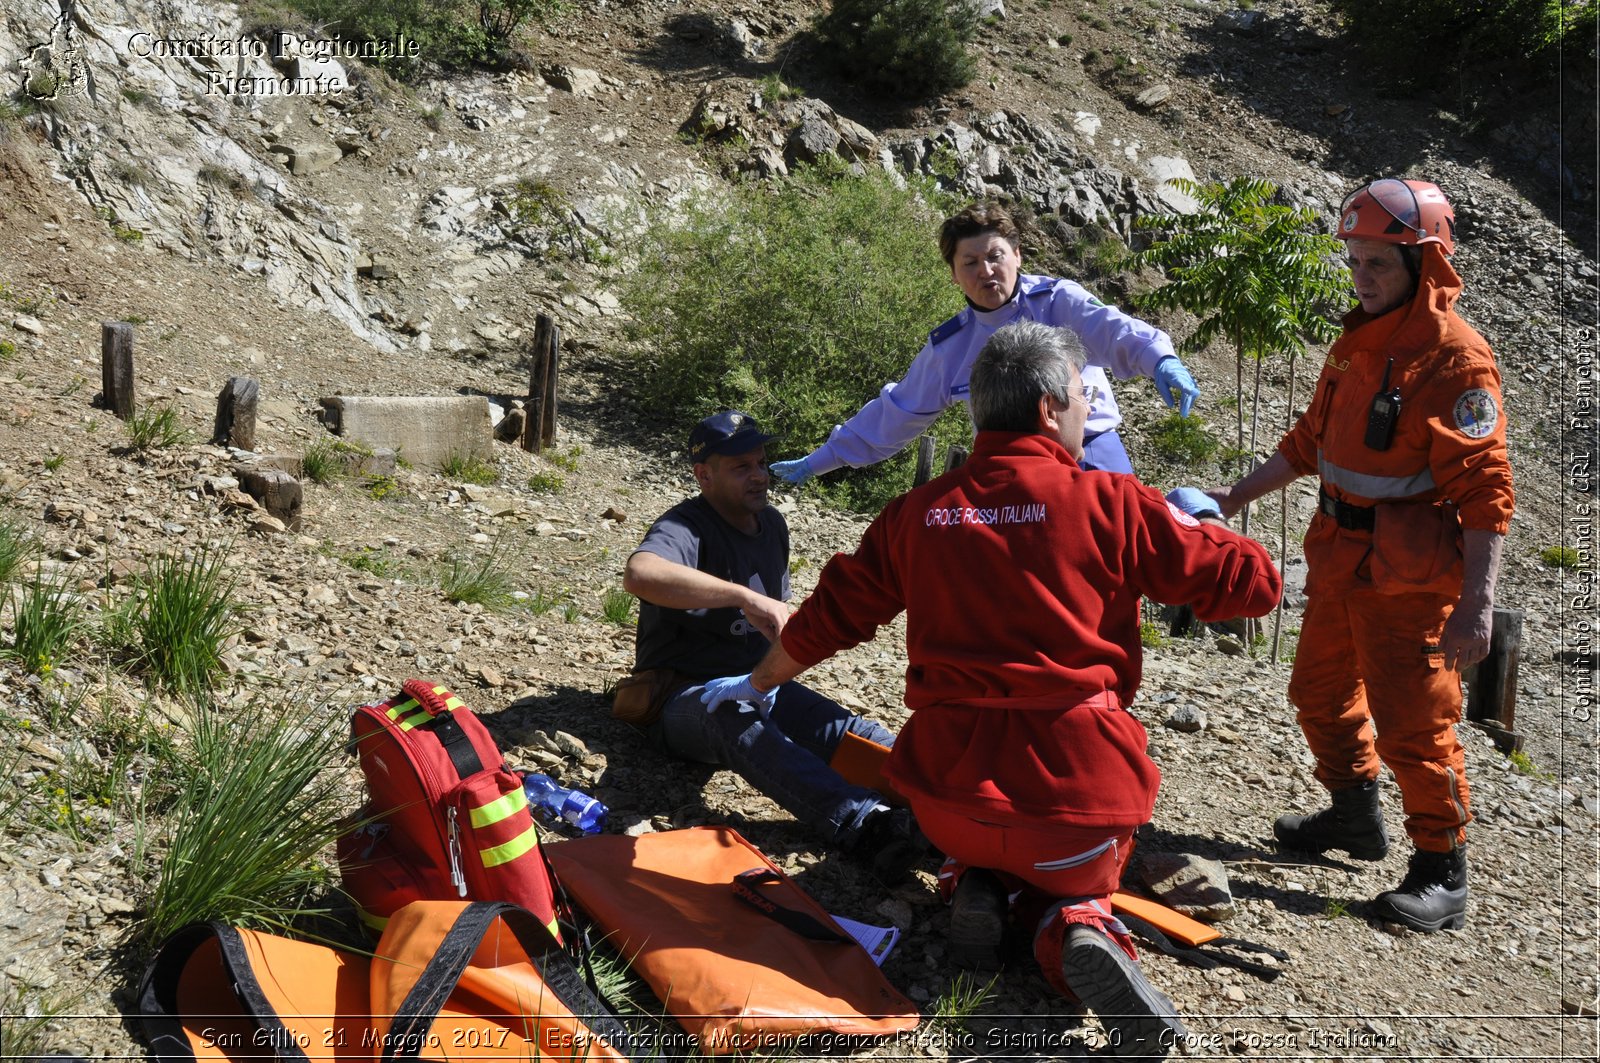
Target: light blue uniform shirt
x=939, y=374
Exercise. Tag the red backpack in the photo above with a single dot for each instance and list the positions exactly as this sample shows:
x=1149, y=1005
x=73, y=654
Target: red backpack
x=445, y=818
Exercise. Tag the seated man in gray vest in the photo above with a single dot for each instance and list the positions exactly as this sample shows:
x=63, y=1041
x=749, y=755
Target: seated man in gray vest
x=712, y=578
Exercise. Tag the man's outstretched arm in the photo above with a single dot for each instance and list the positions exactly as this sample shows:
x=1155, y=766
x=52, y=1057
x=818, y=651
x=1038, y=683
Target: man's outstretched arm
x=676, y=586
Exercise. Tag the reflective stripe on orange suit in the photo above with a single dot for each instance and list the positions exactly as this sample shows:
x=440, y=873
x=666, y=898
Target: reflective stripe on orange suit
x=1378, y=598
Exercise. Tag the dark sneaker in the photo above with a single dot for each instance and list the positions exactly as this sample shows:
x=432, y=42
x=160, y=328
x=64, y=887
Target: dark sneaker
x=1432, y=896
x=978, y=912
x=892, y=845
x=1139, y=1019
x=1353, y=824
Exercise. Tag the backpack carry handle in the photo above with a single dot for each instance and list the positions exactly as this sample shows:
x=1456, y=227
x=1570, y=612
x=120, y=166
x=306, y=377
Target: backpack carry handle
x=434, y=699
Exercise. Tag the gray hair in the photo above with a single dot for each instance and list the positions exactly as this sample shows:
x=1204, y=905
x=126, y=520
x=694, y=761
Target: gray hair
x=1018, y=364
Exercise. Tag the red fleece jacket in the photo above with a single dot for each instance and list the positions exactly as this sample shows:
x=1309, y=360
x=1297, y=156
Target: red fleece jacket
x=1020, y=575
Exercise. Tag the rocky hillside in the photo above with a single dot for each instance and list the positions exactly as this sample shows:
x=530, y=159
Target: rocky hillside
x=398, y=239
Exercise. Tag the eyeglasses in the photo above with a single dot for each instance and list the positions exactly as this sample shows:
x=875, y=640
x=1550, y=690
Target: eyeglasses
x=1089, y=393
x=1395, y=197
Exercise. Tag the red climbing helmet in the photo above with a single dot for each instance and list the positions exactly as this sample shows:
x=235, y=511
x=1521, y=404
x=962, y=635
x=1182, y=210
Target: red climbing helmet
x=1398, y=212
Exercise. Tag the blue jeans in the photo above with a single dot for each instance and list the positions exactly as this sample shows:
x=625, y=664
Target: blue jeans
x=785, y=756
x=1106, y=453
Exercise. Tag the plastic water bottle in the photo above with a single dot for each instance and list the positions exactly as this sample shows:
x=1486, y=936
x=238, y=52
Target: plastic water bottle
x=558, y=802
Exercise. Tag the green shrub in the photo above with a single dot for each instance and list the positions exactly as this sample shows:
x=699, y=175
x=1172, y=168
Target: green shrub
x=384, y=488
x=471, y=469
x=185, y=615
x=8, y=350
x=454, y=34
x=1559, y=556
x=911, y=49
x=262, y=796
x=1184, y=440
x=477, y=579
x=546, y=483
x=157, y=427
x=795, y=303
x=1473, y=46
x=1524, y=765
x=17, y=547
x=46, y=618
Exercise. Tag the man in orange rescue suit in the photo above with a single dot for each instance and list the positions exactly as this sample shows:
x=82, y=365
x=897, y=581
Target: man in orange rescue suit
x=1020, y=575
x=1407, y=432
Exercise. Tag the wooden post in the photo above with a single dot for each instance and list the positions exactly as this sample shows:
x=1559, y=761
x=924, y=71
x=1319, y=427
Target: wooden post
x=1492, y=682
x=116, y=367
x=547, y=426
x=541, y=386
x=236, y=413
x=924, y=473
x=954, y=458
x=277, y=491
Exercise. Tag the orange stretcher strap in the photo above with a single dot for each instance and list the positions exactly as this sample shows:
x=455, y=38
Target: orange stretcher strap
x=1175, y=925
x=860, y=761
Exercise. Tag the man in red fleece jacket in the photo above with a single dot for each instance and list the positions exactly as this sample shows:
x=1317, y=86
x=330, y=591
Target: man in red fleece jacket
x=1020, y=575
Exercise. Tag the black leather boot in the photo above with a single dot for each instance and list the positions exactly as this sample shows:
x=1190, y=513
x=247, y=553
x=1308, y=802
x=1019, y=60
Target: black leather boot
x=1353, y=824
x=1432, y=896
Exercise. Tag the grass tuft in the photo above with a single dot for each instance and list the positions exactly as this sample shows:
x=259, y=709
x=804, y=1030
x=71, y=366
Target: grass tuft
x=261, y=798
x=157, y=427
x=477, y=579
x=17, y=547
x=617, y=606
x=471, y=469
x=185, y=615
x=959, y=1003
x=26, y=1031
x=46, y=618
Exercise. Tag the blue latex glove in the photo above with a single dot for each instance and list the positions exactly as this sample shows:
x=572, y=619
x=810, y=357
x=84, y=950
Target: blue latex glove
x=1195, y=502
x=738, y=688
x=796, y=472
x=1175, y=385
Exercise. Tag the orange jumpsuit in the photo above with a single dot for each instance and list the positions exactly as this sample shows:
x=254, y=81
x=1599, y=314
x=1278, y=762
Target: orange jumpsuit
x=1377, y=599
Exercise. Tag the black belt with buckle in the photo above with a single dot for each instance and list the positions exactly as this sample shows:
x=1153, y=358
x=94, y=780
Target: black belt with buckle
x=1351, y=518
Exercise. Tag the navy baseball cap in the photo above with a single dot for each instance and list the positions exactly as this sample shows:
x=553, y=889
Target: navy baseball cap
x=728, y=432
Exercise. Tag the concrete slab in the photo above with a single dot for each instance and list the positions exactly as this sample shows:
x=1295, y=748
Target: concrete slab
x=425, y=431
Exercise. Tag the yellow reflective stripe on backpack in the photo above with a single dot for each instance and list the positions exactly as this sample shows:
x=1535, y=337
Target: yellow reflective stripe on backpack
x=411, y=721
x=506, y=805
x=451, y=702
x=505, y=852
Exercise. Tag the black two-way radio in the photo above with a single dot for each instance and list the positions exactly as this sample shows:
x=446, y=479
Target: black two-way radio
x=1384, y=413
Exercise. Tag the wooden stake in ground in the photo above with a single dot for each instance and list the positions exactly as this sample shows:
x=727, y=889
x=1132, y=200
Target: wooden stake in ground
x=116, y=367
x=236, y=413
x=925, y=449
x=540, y=429
x=1492, y=682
